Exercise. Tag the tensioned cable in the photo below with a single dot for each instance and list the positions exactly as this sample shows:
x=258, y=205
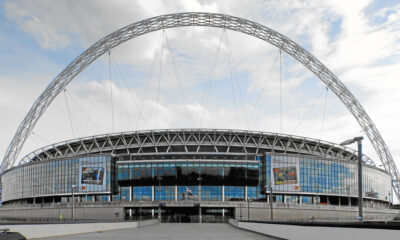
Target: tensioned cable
x=96, y=94
x=83, y=110
x=210, y=81
x=114, y=61
x=111, y=93
x=261, y=96
x=309, y=110
x=232, y=87
x=323, y=116
x=318, y=112
x=148, y=80
x=159, y=79
x=41, y=138
x=280, y=88
x=182, y=92
x=237, y=80
x=69, y=114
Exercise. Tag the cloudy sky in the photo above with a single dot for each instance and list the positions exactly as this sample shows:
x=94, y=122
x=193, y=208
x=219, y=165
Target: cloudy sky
x=200, y=77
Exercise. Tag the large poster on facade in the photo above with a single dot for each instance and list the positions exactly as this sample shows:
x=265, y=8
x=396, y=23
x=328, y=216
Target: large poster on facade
x=285, y=173
x=92, y=175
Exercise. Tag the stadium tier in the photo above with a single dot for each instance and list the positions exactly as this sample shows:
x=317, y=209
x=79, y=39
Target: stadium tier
x=194, y=164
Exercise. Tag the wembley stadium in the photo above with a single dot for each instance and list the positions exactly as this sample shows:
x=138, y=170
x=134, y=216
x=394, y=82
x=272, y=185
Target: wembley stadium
x=177, y=171
x=193, y=174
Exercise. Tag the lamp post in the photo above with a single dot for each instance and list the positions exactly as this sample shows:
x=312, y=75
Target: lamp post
x=359, y=163
x=200, y=179
x=159, y=178
x=140, y=210
x=317, y=199
x=248, y=208
x=240, y=205
x=73, y=201
x=271, y=200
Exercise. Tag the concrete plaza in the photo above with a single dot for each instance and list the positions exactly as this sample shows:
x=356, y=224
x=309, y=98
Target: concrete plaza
x=186, y=231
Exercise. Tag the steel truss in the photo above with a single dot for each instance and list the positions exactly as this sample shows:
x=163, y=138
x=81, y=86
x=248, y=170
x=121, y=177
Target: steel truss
x=159, y=142
x=206, y=20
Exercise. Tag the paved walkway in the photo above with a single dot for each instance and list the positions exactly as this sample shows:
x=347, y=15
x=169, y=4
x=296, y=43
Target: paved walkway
x=46, y=230
x=175, y=231
x=323, y=233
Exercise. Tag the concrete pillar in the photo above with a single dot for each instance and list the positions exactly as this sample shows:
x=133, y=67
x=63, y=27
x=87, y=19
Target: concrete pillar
x=300, y=200
x=152, y=194
x=223, y=212
x=223, y=193
x=130, y=194
x=176, y=193
x=245, y=192
x=109, y=198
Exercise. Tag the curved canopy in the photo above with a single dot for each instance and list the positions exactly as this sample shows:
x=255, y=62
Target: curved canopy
x=207, y=20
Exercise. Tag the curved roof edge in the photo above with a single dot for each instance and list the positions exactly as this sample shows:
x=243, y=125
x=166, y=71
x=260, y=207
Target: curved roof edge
x=114, y=143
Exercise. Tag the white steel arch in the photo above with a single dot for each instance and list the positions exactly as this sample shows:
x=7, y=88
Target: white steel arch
x=207, y=20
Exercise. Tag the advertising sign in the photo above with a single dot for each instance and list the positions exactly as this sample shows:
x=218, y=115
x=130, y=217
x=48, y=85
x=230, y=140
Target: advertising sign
x=285, y=175
x=284, y=172
x=92, y=175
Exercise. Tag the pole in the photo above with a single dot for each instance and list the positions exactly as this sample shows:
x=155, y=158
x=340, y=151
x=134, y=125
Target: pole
x=72, y=214
x=140, y=210
x=200, y=217
x=159, y=198
x=248, y=209
x=271, y=199
x=240, y=211
x=360, y=199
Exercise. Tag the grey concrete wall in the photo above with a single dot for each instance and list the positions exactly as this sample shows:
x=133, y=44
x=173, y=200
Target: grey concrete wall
x=258, y=211
x=48, y=213
x=316, y=213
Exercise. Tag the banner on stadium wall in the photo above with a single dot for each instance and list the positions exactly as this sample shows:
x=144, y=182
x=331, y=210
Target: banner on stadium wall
x=92, y=175
x=285, y=173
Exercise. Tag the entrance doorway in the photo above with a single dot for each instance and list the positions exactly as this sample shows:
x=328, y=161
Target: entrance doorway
x=181, y=214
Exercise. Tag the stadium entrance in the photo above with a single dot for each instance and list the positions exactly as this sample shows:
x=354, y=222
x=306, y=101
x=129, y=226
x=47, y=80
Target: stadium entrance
x=181, y=214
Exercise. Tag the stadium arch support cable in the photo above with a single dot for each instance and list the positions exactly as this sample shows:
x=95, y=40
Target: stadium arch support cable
x=206, y=20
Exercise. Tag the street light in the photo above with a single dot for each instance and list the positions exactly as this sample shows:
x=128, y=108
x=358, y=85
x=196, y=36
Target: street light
x=317, y=199
x=360, y=200
x=248, y=208
x=271, y=200
x=159, y=178
x=140, y=210
x=73, y=201
x=199, y=179
x=35, y=184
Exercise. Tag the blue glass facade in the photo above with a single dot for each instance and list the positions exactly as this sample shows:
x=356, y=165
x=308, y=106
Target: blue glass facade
x=294, y=179
x=294, y=174
x=88, y=174
x=188, y=173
